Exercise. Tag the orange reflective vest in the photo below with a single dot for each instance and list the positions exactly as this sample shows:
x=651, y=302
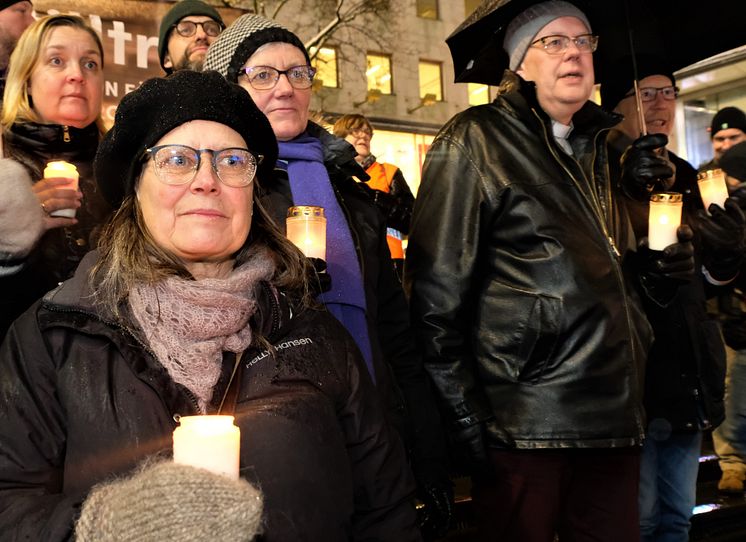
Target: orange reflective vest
x=381, y=176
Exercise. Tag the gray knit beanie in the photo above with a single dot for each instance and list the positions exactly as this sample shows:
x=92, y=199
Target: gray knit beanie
x=523, y=29
x=166, y=501
x=240, y=40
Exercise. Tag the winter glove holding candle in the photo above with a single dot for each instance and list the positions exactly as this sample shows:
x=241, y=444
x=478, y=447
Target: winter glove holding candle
x=723, y=235
x=166, y=501
x=644, y=169
x=662, y=271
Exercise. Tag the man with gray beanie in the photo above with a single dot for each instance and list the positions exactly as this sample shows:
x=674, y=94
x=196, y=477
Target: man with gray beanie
x=186, y=31
x=523, y=275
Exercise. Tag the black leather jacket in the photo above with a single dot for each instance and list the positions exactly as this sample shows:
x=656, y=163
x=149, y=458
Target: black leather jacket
x=518, y=290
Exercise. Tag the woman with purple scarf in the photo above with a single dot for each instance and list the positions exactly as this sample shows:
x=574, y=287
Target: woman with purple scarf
x=316, y=168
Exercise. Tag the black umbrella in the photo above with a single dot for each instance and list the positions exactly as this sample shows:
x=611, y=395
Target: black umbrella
x=683, y=31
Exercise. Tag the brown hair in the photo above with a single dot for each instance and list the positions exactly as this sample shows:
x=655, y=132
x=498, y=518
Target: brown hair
x=353, y=122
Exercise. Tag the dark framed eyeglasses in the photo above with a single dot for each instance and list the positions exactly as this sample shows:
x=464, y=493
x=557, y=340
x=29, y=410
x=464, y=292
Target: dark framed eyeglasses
x=187, y=29
x=266, y=77
x=178, y=164
x=648, y=94
x=556, y=44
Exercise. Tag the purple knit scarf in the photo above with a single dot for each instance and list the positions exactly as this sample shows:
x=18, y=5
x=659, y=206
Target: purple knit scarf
x=310, y=185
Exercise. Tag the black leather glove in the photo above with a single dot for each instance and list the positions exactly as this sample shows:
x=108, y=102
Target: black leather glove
x=663, y=271
x=469, y=448
x=434, y=517
x=723, y=235
x=319, y=280
x=643, y=168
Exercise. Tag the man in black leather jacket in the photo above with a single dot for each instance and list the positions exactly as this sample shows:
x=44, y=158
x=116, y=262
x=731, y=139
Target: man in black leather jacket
x=519, y=271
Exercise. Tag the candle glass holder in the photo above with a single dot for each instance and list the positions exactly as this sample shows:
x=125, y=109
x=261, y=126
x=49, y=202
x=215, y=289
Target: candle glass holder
x=65, y=170
x=712, y=188
x=664, y=219
x=208, y=442
x=306, y=228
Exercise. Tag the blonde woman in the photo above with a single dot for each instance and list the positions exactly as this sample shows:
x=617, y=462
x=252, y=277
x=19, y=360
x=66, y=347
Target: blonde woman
x=51, y=111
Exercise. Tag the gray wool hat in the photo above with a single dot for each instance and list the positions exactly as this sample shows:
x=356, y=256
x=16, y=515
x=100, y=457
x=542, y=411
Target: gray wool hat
x=523, y=28
x=240, y=40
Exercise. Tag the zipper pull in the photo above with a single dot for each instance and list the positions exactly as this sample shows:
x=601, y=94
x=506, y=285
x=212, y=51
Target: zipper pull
x=613, y=246
x=65, y=134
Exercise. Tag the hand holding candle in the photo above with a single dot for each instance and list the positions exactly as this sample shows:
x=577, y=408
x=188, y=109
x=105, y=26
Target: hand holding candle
x=664, y=219
x=208, y=442
x=306, y=229
x=712, y=188
x=68, y=171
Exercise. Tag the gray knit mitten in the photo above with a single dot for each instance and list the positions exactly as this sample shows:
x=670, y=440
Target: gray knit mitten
x=166, y=501
x=21, y=216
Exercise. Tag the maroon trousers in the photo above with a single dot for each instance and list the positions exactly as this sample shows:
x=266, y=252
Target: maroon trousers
x=581, y=495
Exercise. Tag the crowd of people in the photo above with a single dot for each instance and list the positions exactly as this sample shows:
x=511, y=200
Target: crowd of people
x=528, y=337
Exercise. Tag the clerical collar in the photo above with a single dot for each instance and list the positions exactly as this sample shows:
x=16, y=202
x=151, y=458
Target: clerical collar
x=561, y=132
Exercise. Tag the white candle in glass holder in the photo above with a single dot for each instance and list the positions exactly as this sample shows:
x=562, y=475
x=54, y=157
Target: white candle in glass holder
x=306, y=228
x=664, y=219
x=712, y=187
x=208, y=442
x=65, y=170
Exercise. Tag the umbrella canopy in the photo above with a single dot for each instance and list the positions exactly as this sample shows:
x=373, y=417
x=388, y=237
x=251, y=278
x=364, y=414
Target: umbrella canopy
x=683, y=31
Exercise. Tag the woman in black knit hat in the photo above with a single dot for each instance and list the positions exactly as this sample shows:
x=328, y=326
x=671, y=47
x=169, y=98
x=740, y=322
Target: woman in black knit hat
x=319, y=169
x=193, y=304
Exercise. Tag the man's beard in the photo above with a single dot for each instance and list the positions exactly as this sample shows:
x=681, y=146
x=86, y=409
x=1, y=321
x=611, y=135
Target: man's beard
x=186, y=64
x=7, y=44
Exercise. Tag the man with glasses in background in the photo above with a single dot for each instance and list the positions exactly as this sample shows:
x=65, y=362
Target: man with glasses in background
x=521, y=298
x=685, y=370
x=187, y=30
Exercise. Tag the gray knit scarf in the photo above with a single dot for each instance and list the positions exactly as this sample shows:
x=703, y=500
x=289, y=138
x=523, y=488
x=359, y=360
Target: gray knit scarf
x=190, y=323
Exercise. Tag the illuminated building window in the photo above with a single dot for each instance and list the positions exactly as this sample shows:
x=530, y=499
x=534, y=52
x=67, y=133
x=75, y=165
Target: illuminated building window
x=431, y=80
x=478, y=94
x=427, y=9
x=378, y=72
x=325, y=63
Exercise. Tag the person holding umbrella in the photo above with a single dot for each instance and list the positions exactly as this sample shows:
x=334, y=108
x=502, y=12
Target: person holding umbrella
x=521, y=273
x=685, y=370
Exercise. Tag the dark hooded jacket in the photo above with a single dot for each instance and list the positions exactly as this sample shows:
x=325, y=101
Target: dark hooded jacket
x=400, y=376
x=517, y=272
x=60, y=250
x=83, y=399
x=685, y=369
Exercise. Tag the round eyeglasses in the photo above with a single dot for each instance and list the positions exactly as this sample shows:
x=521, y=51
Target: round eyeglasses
x=178, y=164
x=266, y=77
x=187, y=29
x=648, y=94
x=555, y=45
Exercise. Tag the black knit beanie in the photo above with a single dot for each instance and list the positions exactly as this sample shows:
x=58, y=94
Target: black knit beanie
x=728, y=117
x=180, y=10
x=234, y=47
x=620, y=81
x=158, y=106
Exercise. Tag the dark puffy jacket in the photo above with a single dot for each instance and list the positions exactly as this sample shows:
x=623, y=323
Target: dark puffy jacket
x=519, y=297
x=83, y=399
x=60, y=250
x=685, y=370
x=400, y=375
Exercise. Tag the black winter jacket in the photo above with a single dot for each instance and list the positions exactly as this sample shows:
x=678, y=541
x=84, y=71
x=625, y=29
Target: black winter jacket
x=400, y=375
x=82, y=399
x=60, y=250
x=685, y=370
x=518, y=293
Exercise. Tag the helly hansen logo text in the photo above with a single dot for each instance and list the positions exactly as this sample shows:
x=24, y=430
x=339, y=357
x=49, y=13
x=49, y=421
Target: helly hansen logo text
x=282, y=346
